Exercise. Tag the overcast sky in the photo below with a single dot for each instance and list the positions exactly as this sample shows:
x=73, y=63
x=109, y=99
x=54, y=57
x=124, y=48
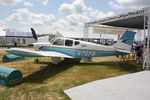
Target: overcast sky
x=65, y=16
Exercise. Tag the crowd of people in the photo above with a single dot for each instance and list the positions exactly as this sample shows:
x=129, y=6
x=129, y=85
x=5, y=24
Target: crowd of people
x=137, y=52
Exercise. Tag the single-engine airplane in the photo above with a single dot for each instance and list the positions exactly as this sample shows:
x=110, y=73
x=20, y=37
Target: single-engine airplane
x=75, y=49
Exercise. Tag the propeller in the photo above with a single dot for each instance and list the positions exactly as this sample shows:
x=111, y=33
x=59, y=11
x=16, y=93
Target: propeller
x=34, y=36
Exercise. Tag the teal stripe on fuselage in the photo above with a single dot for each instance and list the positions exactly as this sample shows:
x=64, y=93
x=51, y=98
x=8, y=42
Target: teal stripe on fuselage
x=80, y=53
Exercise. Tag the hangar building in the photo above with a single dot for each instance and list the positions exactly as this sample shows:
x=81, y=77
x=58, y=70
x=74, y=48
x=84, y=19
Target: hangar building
x=14, y=37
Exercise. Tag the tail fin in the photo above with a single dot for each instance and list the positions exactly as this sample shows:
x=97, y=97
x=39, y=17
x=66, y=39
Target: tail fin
x=126, y=41
x=128, y=37
x=34, y=34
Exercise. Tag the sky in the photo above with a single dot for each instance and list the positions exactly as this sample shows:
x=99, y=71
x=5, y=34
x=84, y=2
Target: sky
x=64, y=16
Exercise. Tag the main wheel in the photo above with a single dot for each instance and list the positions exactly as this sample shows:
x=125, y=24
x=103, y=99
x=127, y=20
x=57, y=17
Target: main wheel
x=55, y=60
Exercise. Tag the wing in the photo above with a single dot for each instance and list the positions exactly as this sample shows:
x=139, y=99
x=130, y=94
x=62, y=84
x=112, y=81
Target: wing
x=123, y=51
x=31, y=53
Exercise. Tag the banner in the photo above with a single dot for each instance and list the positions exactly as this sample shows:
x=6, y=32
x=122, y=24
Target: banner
x=110, y=30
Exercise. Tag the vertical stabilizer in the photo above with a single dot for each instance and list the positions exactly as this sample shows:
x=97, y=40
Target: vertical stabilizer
x=126, y=41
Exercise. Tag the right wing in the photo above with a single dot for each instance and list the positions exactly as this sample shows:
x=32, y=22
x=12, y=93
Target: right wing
x=31, y=53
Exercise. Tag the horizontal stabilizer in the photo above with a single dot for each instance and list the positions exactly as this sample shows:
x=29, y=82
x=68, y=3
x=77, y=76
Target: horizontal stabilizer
x=123, y=51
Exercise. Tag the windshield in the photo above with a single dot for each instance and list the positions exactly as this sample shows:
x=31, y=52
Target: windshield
x=58, y=42
x=51, y=41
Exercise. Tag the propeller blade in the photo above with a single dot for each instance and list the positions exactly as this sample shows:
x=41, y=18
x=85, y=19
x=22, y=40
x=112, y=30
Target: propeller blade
x=34, y=34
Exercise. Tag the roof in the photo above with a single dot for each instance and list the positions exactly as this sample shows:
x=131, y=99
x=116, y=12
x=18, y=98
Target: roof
x=132, y=19
x=16, y=33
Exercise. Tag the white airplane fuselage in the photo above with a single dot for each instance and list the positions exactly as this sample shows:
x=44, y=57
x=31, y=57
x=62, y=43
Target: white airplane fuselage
x=78, y=49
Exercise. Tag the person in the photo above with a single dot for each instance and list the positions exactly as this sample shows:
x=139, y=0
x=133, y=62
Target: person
x=15, y=44
x=133, y=49
x=142, y=45
x=139, y=55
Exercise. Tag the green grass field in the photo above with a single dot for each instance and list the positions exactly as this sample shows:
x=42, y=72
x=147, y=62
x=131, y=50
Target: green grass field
x=49, y=83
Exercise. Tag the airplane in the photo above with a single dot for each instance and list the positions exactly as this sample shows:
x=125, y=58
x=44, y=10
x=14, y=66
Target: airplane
x=75, y=49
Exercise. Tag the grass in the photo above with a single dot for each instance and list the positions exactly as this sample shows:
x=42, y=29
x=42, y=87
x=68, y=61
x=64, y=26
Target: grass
x=49, y=83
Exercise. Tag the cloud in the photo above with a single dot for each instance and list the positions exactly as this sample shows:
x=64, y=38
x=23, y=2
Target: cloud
x=64, y=27
x=41, y=19
x=72, y=24
x=101, y=14
x=27, y=3
x=2, y=26
x=76, y=14
x=114, y=5
x=97, y=14
x=10, y=2
x=122, y=4
x=25, y=17
x=77, y=19
x=22, y=11
x=34, y=18
x=18, y=15
x=15, y=17
x=77, y=7
x=45, y=2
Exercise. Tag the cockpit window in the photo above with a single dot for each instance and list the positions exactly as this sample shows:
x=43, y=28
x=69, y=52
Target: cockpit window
x=76, y=43
x=58, y=42
x=68, y=43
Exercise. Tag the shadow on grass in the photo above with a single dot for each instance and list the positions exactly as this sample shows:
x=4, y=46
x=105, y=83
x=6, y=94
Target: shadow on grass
x=107, y=63
x=48, y=71
x=129, y=66
x=51, y=70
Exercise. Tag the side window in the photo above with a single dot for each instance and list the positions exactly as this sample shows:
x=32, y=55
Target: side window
x=76, y=43
x=58, y=42
x=68, y=43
